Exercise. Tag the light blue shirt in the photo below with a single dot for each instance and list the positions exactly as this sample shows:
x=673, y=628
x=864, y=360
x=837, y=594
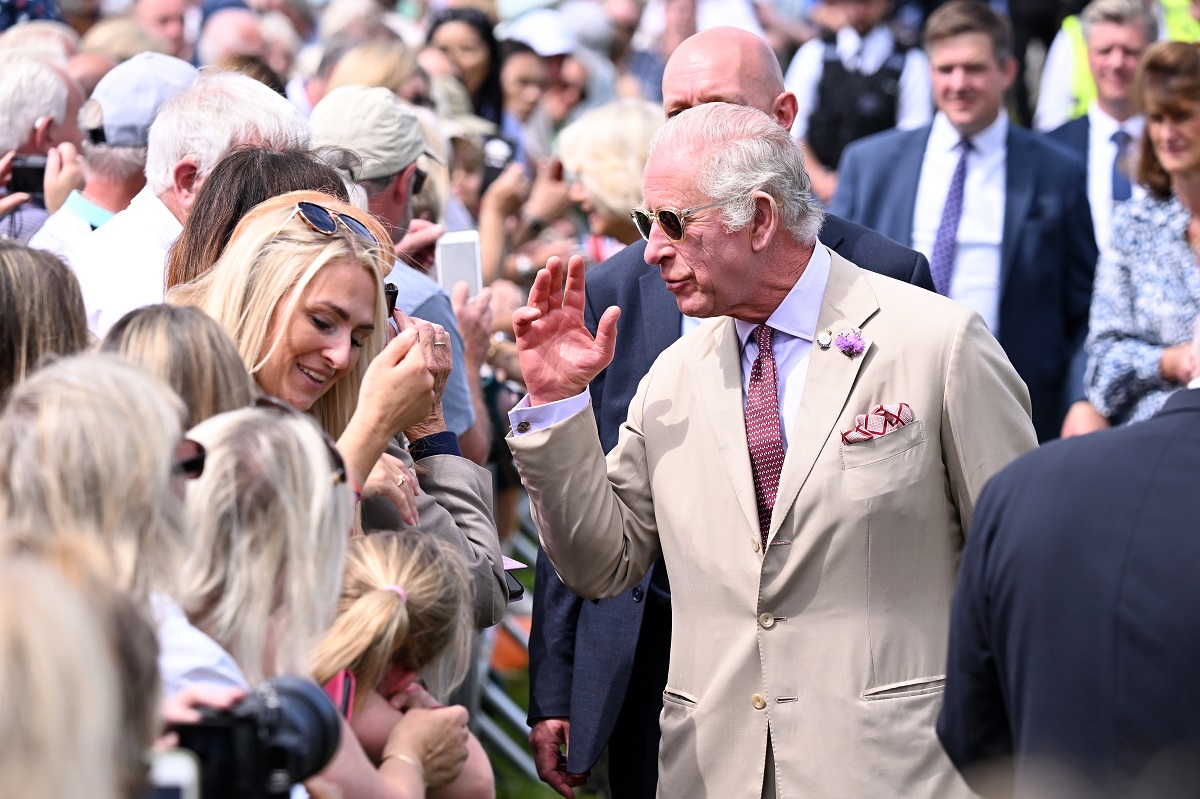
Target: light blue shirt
x=795, y=324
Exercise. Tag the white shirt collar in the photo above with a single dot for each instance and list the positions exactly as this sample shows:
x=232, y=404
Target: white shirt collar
x=797, y=314
x=1104, y=126
x=944, y=138
x=162, y=226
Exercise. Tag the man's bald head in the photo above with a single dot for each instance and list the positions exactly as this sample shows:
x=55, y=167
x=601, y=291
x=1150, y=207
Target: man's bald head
x=727, y=65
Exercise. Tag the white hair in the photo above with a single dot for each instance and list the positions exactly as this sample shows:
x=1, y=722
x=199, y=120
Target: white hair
x=1119, y=12
x=740, y=150
x=30, y=89
x=215, y=115
x=114, y=163
x=55, y=40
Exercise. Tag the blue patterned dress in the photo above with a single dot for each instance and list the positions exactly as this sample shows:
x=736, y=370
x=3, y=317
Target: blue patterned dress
x=1146, y=298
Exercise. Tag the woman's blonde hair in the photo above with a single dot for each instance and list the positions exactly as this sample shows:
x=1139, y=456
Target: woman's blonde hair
x=41, y=311
x=269, y=520
x=87, y=444
x=428, y=628
x=58, y=689
x=389, y=63
x=607, y=149
x=272, y=257
x=187, y=349
x=128, y=634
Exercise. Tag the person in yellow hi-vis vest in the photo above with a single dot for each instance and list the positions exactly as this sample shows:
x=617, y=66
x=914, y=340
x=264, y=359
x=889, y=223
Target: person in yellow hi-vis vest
x=1067, y=89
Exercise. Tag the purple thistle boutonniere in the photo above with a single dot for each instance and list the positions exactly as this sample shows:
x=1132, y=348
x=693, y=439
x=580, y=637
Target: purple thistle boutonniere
x=850, y=343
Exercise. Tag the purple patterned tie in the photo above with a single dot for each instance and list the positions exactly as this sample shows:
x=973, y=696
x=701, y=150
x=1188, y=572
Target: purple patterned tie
x=1121, y=188
x=941, y=260
x=763, y=432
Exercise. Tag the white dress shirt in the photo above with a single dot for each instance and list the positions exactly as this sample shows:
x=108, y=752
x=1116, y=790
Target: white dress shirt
x=795, y=325
x=1101, y=152
x=864, y=54
x=976, y=279
x=120, y=266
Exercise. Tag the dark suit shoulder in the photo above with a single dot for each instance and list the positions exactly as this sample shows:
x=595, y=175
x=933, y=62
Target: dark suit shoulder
x=1073, y=135
x=889, y=141
x=875, y=252
x=619, y=274
x=1052, y=156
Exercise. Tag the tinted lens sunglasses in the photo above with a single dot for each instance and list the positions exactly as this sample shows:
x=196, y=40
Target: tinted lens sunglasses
x=419, y=178
x=335, y=458
x=671, y=220
x=325, y=222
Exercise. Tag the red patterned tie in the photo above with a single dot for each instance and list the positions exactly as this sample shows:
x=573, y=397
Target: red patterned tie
x=762, y=429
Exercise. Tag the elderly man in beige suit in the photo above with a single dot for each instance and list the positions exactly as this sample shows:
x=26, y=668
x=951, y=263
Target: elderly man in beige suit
x=807, y=463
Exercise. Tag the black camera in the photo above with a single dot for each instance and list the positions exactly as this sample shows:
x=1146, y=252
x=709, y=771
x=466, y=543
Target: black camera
x=282, y=733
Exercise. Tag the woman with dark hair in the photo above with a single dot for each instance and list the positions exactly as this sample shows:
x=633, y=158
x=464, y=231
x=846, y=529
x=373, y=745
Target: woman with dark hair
x=465, y=36
x=1146, y=298
x=239, y=182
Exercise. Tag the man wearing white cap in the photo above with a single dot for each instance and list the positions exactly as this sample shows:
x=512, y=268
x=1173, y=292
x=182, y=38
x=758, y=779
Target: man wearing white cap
x=116, y=126
x=385, y=134
x=120, y=266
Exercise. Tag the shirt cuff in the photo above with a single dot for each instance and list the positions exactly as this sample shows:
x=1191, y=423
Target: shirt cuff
x=525, y=418
x=443, y=443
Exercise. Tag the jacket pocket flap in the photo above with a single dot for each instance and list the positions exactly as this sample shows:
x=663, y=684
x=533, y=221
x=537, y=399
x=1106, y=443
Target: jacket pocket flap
x=916, y=687
x=864, y=453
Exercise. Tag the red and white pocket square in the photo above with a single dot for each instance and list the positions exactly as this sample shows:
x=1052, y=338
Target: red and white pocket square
x=882, y=420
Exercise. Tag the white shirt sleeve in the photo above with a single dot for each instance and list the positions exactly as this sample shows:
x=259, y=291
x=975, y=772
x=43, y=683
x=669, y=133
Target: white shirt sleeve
x=1055, y=100
x=802, y=79
x=915, y=106
x=540, y=417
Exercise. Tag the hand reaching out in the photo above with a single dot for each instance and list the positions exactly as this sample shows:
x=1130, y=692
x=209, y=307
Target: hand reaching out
x=558, y=356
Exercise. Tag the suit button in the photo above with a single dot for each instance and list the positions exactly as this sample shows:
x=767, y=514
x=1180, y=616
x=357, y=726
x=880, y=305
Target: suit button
x=767, y=621
x=523, y=427
x=758, y=701
x=754, y=542
x=637, y=594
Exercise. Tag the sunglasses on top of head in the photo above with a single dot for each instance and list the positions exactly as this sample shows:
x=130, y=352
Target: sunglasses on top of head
x=325, y=222
x=671, y=220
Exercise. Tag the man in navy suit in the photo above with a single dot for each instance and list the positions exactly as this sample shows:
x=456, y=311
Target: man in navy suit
x=1002, y=214
x=1073, y=634
x=598, y=668
x=1116, y=33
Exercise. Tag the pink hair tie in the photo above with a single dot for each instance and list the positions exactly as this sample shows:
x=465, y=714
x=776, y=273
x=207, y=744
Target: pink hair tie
x=397, y=590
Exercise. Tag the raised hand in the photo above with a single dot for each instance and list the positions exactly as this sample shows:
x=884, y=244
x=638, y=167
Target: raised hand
x=558, y=356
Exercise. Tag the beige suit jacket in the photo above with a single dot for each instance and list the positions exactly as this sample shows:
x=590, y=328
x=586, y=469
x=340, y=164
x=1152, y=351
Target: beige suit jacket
x=834, y=639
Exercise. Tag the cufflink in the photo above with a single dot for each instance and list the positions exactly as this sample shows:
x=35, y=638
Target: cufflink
x=523, y=427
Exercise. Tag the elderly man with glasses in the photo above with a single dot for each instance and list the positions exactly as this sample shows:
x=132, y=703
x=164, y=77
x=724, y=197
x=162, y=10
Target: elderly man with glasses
x=806, y=462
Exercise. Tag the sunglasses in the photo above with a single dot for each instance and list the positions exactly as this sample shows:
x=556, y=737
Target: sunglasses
x=671, y=220
x=267, y=402
x=325, y=222
x=419, y=178
x=391, y=293
x=191, y=465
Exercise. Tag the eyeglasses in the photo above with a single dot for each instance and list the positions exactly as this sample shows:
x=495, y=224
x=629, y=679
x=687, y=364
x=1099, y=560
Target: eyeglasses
x=266, y=401
x=325, y=222
x=419, y=178
x=191, y=464
x=671, y=220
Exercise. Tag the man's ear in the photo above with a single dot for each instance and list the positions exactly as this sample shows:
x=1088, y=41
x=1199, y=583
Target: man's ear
x=764, y=223
x=401, y=183
x=40, y=137
x=183, y=178
x=784, y=110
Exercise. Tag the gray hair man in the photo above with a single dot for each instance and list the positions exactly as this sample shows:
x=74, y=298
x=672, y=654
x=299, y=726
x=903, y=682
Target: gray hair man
x=39, y=104
x=811, y=379
x=116, y=121
x=120, y=266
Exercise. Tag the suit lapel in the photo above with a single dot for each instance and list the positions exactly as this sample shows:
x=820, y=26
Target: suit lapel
x=848, y=303
x=660, y=314
x=1018, y=194
x=718, y=389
